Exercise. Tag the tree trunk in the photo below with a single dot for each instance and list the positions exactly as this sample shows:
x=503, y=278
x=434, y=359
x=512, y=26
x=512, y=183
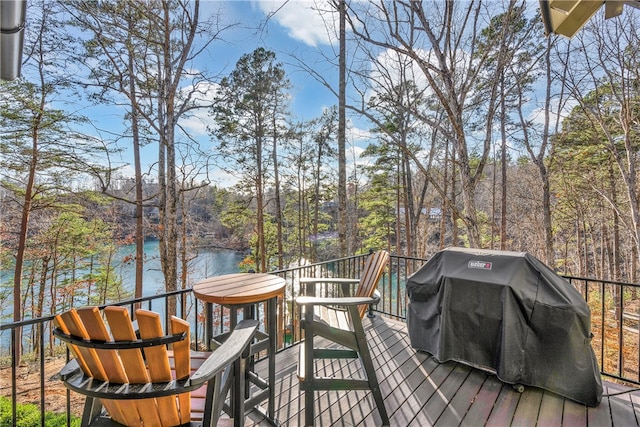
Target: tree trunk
x=454, y=212
x=503, y=166
x=342, y=160
x=135, y=136
x=261, y=262
x=616, y=227
x=445, y=188
x=24, y=227
x=276, y=184
x=544, y=174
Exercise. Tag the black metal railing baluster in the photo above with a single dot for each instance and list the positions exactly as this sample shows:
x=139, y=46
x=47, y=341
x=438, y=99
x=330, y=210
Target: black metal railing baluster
x=620, y=333
x=602, y=324
x=68, y=393
x=40, y=333
x=14, y=385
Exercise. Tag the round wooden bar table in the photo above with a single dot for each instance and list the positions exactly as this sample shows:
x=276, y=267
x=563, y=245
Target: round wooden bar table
x=245, y=291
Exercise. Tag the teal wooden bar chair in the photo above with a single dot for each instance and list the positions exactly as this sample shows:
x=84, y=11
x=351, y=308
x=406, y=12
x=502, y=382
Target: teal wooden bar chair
x=339, y=320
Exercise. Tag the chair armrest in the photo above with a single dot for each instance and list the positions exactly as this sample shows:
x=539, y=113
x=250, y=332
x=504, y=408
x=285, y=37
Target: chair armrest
x=345, y=301
x=70, y=369
x=230, y=350
x=376, y=296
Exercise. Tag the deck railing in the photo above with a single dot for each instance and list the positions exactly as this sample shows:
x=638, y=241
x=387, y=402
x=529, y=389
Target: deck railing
x=615, y=325
x=615, y=308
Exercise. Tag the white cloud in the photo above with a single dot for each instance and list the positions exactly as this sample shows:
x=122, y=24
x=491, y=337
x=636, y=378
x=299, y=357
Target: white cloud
x=311, y=22
x=198, y=120
x=355, y=135
x=537, y=114
x=197, y=123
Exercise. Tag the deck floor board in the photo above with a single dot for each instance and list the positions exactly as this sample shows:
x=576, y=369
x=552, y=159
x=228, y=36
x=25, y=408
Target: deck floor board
x=420, y=391
x=483, y=403
x=454, y=413
x=551, y=410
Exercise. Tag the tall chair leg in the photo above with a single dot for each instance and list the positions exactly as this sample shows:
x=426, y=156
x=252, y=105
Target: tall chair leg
x=309, y=389
x=211, y=408
x=92, y=409
x=308, y=408
x=367, y=364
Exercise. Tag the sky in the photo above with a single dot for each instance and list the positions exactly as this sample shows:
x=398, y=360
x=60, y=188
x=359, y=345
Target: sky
x=294, y=28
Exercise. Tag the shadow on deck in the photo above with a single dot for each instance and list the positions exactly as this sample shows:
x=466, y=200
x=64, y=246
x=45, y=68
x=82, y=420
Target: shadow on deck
x=419, y=391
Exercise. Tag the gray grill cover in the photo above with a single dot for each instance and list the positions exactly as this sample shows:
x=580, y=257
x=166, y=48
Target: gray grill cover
x=506, y=312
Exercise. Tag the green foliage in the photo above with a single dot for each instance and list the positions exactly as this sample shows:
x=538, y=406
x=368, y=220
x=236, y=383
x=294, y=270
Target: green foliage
x=238, y=218
x=84, y=250
x=28, y=415
x=270, y=234
x=377, y=227
x=248, y=103
x=107, y=285
x=484, y=227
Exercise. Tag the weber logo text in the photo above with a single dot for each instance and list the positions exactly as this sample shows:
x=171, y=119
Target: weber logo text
x=483, y=265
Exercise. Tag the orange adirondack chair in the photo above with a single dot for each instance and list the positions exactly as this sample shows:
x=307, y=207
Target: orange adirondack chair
x=131, y=377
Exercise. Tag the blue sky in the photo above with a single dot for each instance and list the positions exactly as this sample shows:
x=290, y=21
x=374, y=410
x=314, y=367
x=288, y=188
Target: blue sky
x=296, y=28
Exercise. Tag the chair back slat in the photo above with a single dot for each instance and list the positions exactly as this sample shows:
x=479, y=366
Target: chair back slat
x=122, y=330
x=182, y=357
x=157, y=357
x=88, y=324
x=97, y=330
x=59, y=322
x=72, y=324
x=134, y=365
x=371, y=274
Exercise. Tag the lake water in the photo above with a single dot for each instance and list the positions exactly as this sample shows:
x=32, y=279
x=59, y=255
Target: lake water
x=208, y=262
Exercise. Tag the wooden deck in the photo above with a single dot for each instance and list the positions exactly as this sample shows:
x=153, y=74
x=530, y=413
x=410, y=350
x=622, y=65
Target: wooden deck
x=419, y=391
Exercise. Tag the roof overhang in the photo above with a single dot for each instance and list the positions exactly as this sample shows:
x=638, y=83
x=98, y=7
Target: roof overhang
x=12, y=21
x=566, y=17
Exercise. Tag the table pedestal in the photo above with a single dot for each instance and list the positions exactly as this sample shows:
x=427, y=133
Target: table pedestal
x=245, y=291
